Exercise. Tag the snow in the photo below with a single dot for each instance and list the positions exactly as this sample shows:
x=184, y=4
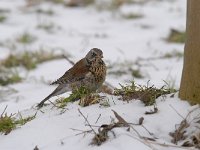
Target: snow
x=76, y=30
x=49, y=128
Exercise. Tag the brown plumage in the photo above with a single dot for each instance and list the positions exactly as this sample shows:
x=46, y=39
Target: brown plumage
x=89, y=72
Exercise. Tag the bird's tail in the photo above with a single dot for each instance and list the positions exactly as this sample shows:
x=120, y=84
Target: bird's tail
x=59, y=90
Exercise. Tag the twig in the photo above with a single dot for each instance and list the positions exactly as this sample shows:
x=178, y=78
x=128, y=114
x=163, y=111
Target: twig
x=98, y=118
x=140, y=123
x=69, y=60
x=191, y=111
x=93, y=126
x=53, y=104
x=124, y=123
x=176, y=111
x=120, y=119
x=82, y=131
x=148, y=142
x=4, y=110
x=136, y=131
x=87, y=122
x=111, y=86
x=143, y=141
x=147, y=130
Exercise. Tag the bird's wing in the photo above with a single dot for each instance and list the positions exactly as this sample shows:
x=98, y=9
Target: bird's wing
x=76, y=73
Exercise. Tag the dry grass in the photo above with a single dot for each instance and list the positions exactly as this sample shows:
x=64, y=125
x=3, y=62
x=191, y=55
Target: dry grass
x=187, y=133
x=29, y=60
x=147, y=94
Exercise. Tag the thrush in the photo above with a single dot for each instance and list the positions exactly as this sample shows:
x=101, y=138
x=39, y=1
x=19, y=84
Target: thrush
x=89, y=72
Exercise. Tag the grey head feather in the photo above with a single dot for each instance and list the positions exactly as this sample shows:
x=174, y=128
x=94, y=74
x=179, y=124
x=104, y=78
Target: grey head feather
x=93, y=54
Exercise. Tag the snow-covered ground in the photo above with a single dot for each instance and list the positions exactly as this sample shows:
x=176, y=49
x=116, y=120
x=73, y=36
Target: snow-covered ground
x=75, y=31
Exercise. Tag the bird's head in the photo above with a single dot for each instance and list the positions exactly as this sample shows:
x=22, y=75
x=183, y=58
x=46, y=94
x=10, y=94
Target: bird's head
x=93, y=54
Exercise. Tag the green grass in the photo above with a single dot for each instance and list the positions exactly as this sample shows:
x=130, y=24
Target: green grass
x=10, y=122
x=80, y=3
x=22, y=121
x=136, y=73
x=48, y=27
x=57, y=1
x=26, y=38
x=85, y=96
x=173, y=54
x=9, y=77
x=2, y=18
x=147, y=94
x=176, y=36
x=74, y=96
x=48, y=12
x=7, y=123
x=132, y=16
x=25, y=59
x=29, y=60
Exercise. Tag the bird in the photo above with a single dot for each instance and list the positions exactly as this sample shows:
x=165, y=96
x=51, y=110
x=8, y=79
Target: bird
x=89, y=72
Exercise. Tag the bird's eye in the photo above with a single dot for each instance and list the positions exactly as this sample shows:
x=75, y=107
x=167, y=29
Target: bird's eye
x=94, y=54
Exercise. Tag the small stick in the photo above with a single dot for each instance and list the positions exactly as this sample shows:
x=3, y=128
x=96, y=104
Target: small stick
x=82, y=131
x=120, y=119
x=53, y=104
x=150, y=133
x=87, y=122
x=176, y=111
x=98, y=118
x=93, y=126
x=4, y=110
x=69, y=60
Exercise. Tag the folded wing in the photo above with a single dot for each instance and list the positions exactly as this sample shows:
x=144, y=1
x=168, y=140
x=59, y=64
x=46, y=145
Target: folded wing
x=76, y=73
